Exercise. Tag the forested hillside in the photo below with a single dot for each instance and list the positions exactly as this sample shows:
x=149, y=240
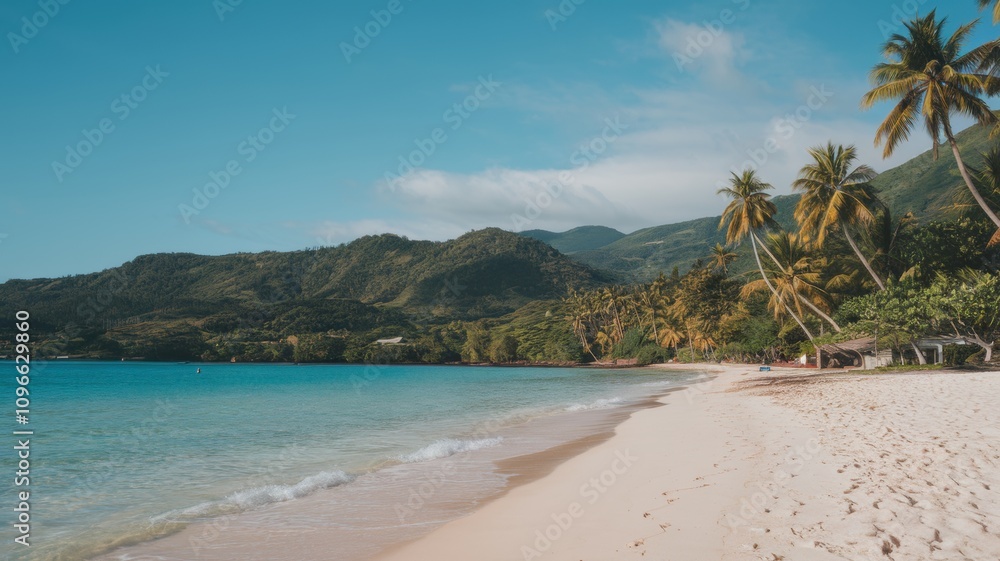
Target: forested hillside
x=184, y=306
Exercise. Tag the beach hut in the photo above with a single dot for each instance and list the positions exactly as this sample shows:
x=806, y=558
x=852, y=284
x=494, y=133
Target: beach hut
x=392, y=341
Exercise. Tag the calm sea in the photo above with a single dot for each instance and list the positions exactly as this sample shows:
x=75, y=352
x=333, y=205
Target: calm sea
x=125, y=452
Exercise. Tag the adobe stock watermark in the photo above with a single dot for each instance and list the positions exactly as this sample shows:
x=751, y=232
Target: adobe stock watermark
x=455, y=116
x=365, y=34
x=901, y=13
x=581, y=158
x=590, y=492
x=122, y=107
x=784, y=129
x=697, y=43
x=32, y=25
x=768, y=492
x=248, y=149
x=225, y=7
x=562, y=12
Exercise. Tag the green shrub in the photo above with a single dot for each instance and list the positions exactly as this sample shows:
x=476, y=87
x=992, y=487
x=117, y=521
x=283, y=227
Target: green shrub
x=957, y=355
x=630, y=345
x=652, y=354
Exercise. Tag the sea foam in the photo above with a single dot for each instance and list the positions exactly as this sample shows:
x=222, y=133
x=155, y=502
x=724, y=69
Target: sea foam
x=449, y=447
x=599, y=404
x=256, y=497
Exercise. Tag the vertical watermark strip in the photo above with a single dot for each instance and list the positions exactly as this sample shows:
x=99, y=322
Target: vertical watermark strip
x=22, y=410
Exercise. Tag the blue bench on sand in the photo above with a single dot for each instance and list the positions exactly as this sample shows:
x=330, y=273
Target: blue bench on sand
x=765, y=368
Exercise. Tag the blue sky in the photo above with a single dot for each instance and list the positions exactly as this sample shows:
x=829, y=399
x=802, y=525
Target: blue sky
x=521, y=116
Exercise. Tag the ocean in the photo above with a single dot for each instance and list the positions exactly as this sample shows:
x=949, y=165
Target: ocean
x=124, y=453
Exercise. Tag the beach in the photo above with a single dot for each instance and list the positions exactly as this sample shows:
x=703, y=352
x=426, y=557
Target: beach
x=789, y=464
x=720, y=463
x=283, y=462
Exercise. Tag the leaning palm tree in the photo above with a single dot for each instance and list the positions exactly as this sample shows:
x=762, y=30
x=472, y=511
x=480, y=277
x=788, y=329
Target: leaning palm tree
x=652, y=299
x=931, y=79
x=579, y=315
x=748, y=213
x=996, y=8
x=796, y=276
x=611, y=298
x=835, y=196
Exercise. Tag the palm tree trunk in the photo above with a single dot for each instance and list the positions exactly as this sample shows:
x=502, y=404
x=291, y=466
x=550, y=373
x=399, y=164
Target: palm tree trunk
x=767, y=281
x=920, y=354
x=819, y=312
x=638, y=318
x=618, y=324
x=857, y=251
x=968, y=179
x=800, y=297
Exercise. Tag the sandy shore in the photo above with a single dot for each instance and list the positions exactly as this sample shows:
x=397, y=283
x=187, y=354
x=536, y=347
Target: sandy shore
x=789, y=465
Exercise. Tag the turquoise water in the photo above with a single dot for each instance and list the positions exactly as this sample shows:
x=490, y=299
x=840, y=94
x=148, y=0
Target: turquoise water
x=125, y=451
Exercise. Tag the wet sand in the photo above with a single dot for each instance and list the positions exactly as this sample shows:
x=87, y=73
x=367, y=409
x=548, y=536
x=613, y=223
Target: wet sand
x=785, y=466
x=390, y=508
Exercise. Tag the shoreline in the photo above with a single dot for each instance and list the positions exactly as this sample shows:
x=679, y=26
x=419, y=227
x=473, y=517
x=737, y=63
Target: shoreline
x=465, y=481
x=813, y=465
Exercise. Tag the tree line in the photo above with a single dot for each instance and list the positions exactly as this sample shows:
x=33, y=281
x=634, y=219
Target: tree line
x=850, y=268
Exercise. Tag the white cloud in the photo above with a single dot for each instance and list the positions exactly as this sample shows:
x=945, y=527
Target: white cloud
x=710, y=50
x=681, y=141
x=658, y=176
x=504, y=198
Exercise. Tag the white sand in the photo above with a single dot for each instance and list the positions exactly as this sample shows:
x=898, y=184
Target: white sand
x=831, y=467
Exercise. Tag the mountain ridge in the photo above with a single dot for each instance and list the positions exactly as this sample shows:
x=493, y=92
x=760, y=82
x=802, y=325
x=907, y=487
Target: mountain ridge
x=384, y=282
x=925, y=187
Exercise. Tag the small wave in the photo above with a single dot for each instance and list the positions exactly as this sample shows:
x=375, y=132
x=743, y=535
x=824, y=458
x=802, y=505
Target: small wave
x=260, y=496
x=599, y=404
x=256, y=497
x=663, y=383
x=449, y=447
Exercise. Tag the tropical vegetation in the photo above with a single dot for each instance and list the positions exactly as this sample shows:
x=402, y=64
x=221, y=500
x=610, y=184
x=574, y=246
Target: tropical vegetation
x=900, y=256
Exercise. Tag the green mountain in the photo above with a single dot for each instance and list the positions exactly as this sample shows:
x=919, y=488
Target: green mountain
x=643, y=254
x=926, y=187
x=376, y=284
x=584, y=238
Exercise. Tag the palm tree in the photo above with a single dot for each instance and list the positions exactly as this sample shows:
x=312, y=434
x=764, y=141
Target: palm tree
x=749, y=211
x=721, y=257
x=885, y=236
x=652, y=299
x=670, y=335
x=580, y=313
x=931, y=79
x=796, y=276
x=835, y=196
x=606, y=341
x=996, y=8
x=611, y=297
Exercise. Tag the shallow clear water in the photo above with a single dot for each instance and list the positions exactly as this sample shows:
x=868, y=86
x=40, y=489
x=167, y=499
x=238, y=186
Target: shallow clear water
x=127, y=451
